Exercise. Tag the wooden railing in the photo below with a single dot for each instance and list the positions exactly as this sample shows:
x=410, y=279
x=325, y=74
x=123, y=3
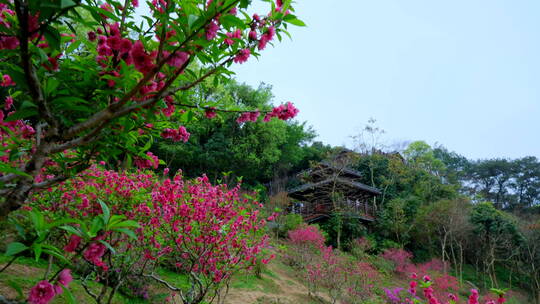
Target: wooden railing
x=352, y=208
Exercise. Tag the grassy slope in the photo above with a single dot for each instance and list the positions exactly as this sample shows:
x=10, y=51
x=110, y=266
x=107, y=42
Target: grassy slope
x=279, y=284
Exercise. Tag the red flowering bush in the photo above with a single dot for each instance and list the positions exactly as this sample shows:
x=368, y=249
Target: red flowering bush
x=328, y=272
x=432, y=293
x=401, y=259
x=359, y=247
x=307, y=235
x=120, y=224
x=305, y=242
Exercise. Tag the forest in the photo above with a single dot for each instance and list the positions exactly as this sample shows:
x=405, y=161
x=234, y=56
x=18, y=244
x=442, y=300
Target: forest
x=135, y=168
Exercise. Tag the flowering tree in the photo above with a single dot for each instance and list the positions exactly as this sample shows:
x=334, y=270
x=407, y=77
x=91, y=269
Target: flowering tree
x=431, y=294
x=86, y=80
x=306, y=242
x=113, y=226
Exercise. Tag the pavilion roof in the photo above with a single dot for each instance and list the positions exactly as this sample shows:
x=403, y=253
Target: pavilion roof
x=345, y=185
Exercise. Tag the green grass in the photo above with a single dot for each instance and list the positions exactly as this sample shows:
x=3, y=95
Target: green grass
x=251, y=282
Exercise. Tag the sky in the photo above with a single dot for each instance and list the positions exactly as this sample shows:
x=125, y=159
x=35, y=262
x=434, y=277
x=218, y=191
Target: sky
x=461, y=73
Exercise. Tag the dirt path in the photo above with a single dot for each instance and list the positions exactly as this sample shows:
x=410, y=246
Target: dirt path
x=287, y=290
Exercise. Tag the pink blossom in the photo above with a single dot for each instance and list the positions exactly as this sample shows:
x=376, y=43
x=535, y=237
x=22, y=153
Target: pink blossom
x=8, y=103
x=145, y=163
x=41, y=293
x=6, y=81
x=65, y=277
x=211, y=30
x=124, y=46
x=266, y=37
x=27, y=132
x=248, y=116
x=92, y=36
x=283, y=112
x=210, y=112
x=473, y=298
x=94, y=252
x=178, y=59
x=180, y=134
x=242, y=56
x=143, y=61
x=135, y=3
x=253, y=35
x=236, y=34
x=74, y=242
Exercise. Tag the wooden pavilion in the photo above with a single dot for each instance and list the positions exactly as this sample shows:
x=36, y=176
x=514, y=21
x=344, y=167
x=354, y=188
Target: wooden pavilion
x=332, y=187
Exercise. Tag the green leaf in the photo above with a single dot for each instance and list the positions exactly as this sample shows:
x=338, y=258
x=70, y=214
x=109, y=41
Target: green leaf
x=5, y=168
x=148, y=145
x=128, y=223
x=37, y=250
x=72, y=230
x=15, y=248
x=106, y=212
x=230, y=21
x=22, y=114
x=57, y=255
x=67, y=3
x=191, y=20
x=97, y=225
x=293, y=20
x=128, y=232
x=38, y=220
x=69, y=296
x=62, y=222
x=53, y=37
x=108, y=246
x=73, y=46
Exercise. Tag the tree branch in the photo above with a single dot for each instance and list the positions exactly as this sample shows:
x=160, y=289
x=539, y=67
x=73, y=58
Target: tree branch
x=32, y=80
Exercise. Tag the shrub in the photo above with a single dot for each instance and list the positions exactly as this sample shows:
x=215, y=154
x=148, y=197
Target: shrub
x=433, y=294
x=362, y=281
x=305, y=243
x=209, y=232
x=307, y=235
x=359, y=247
x=291, y=221
x=400, y=258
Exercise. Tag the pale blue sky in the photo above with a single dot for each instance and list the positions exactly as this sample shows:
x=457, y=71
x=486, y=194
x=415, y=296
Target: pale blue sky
x=464, y=73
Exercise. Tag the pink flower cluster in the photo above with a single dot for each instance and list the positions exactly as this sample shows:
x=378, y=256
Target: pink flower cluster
x=307, y=235
x=432, y=292
x=6, y=81
x=248, y=116
x=44, y=292
x=329, y=271
x=232, y=35
x=151, y=161
x=7, y=42
x=400, y=258
x=93, y=254
x=283, y=112
x=180, y=134
x=242, y=56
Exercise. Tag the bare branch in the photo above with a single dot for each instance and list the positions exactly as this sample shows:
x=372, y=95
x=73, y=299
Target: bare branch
x=167, y=284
